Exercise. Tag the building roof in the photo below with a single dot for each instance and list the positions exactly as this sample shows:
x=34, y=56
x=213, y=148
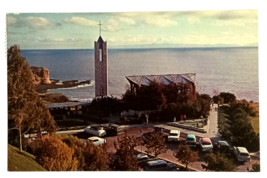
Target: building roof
x=100, y=40
x=165, y=79
x=67, y=104
x=223, y=143
x=191, y=136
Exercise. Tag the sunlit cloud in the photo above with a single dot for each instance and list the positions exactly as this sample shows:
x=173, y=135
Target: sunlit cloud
x=59, y=40
x=127, y=20
x=112, y=25
x=37, y=22
x=82, y=21
x=184, y=28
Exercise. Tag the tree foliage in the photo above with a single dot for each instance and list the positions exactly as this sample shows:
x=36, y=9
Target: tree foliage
x=185, y=155
x=89, y=156
x=155, y=143
x=54, y=155
x=96, y=157
x=125, y=157
x=255, y=168
x=234, y=124
x=217, y=162
x=146, y=98
x=227, y=97
x=25, y=108
x=168, y=101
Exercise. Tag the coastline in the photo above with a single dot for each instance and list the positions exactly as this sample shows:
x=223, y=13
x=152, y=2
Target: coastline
x=43, y=88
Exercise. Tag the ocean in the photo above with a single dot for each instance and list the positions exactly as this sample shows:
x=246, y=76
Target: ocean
x=232, y=70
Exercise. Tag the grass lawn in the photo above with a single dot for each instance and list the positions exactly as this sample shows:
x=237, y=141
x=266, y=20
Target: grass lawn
x=22, y=161
x=256, y=124
x=190, y=123
x=255, y=120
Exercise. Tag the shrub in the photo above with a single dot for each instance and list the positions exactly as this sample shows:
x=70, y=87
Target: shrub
x=217, y=162
x=54, y=155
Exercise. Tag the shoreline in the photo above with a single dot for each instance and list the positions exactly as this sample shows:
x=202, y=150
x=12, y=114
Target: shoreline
x=43, y=88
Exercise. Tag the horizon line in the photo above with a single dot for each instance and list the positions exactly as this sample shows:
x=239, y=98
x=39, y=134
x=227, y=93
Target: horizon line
x=150, y=48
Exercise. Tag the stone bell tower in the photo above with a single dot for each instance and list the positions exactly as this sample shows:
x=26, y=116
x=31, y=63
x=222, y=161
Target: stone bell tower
x=101, y=66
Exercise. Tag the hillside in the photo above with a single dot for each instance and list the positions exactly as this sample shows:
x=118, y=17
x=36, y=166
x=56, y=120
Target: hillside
x=24, y=161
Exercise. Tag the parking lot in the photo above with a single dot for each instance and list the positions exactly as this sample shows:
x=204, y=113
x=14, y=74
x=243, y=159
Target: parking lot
x=137, y=132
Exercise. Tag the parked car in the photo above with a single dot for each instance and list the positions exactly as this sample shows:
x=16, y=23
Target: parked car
x=159, y=165
x=95, y=130
x=97, y=141
x=205, y=144
x=222, y=147
x=174, y=136
x=241, y=154
x=113, y=129
x=143, y=158
x=191, y=140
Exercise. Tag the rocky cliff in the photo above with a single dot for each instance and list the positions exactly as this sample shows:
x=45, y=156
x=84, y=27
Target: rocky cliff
x=41, y=75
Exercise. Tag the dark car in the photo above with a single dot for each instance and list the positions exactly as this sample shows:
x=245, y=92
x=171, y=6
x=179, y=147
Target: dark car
x=222, y=147
x=143, y=159
x=159, y=165
x=112, y=129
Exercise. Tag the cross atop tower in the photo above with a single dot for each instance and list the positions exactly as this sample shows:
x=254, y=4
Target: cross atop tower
x=99, y=28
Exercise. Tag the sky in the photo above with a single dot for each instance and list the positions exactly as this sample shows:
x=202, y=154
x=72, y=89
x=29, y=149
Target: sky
x=236, y=28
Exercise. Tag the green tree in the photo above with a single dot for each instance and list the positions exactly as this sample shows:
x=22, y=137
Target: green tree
x=217, y=162
x=125, y=157
x=155, y=143
x=185, y=155
x=25, y=108
x=255, y=168
x=235, y=126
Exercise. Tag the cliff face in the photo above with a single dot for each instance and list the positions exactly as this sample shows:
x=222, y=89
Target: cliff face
x=41, y=75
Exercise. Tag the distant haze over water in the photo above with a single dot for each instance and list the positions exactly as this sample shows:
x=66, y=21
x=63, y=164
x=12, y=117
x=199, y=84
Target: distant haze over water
x=232, y=70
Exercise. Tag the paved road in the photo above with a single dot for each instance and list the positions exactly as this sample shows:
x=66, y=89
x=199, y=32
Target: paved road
x=212, y=130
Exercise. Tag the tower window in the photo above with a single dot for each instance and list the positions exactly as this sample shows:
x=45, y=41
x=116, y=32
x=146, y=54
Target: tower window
x=100, y=54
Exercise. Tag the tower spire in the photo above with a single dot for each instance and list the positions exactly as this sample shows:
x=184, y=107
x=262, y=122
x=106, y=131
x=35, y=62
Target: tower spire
x=99, y=28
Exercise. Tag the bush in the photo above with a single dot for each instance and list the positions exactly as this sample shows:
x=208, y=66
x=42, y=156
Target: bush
x=227, y=97
x=217, y=162
x=93, y=118
x=54, y=155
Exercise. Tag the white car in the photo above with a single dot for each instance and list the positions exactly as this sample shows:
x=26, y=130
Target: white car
x=95, y=130
x=174, y=136
x=205, y=144
x=97, y=141
x=241, y=154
